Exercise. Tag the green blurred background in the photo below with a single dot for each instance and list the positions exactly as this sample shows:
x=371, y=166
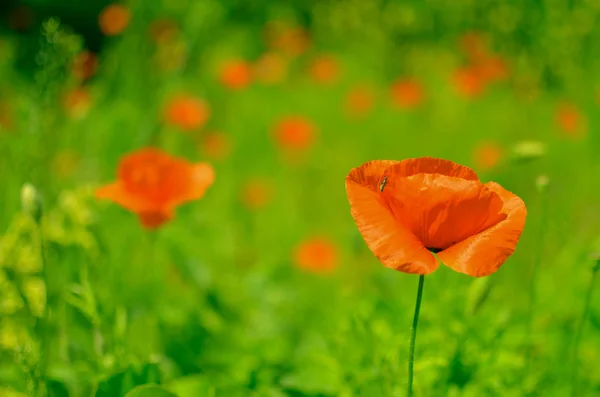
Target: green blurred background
x=215, y=303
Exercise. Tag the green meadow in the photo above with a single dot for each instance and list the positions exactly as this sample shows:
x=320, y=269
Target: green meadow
x=215, y=301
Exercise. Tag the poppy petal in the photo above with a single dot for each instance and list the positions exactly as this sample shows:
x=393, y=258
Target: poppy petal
x=154, y=219
x=430, y=165
x=394, y=245
x=442, y=210
x=195, y=180
x=116, y=193
x=483, y=253
x=370, y=173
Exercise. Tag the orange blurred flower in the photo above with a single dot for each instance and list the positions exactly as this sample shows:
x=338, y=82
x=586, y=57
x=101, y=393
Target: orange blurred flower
x=468, y=82
x=85, y=65
x=113, y=19
x=151, y=184
x=235, y=74
x=256, y=194
x=318, y=255
x=325, y=69
x=407, y=93
x=215, y=145
x=359, y=101
x=487, y=155
x=571, y=120
x=407, y=210
x=162, y=30
x=270, y=68
x=295, y=133
x=493, y=69
x=187, y=112
x=291, y=40
x=473, y=44
x=78, y=102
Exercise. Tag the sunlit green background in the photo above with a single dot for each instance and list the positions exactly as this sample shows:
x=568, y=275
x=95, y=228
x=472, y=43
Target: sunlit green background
x=213, y=303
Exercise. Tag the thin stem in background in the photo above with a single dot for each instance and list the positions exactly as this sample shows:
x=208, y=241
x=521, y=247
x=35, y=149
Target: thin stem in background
x=579, y=331
x=532, y=281
x=413, y=336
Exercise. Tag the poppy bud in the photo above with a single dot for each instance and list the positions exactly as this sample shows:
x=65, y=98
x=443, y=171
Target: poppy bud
x=31, y=202
x=528, y=150
x=542, y=182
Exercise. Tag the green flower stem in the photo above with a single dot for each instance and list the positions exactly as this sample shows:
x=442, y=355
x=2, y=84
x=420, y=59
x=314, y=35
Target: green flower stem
x=579, y=331
x=413, y=336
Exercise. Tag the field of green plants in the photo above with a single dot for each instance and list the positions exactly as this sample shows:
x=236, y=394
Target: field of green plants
x=243, y=120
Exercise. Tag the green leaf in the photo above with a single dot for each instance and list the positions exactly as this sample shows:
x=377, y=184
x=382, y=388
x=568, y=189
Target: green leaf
x=150, y=391
x=192, y=386
x=120, y=383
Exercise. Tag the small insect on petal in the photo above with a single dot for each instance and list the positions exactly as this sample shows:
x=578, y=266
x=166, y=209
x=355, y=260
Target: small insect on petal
x=383, y=183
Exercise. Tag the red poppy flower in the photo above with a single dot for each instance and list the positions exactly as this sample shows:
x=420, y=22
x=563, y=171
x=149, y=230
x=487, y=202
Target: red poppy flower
x=78, y=102
x=235, y=74
x=324, y=69
x=407, y=93
x=256, y=194
x=487, y=155
x=359, y=101
x=215, y=145
x=317, y=255
x=571, y=121
x=407, y=210
x=295, y=133
x=113, y=19
x=85, y=65
x=492, y=69
x=468, y=82
x=187, y=112
x=152, y=183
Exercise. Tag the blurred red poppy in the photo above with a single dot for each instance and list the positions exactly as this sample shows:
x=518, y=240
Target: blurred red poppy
x=6, y=120
x=78, y=102
x=317, y=255
x=359, y=101
x=468, y=82
x=407, y=210
x=407, y=93
x=85, y=65
x=487, y=155
x=290, y=40
x=295, y=133
x=114, y=19
x=235, y=74
x=187, y=112
x=571, y=120
x=215, y=145
x=474, y=46
x=256, y=194
x=152, y=184
x=325, y=69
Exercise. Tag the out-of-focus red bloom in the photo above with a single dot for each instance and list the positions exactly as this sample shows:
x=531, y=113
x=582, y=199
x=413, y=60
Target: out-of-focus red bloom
x=187, y=112
x=468, y=82
x=487, y=155
x=317, y=255
x=407, y=93
x=571, y=121
x=151, y=184
x=114, y=19
x=295, y=133
x=325, y=69
x=78, y=103
x=163, y=30
x=256, y=194
x=290, y=40
x=492, y=69
x=215, y=145
x=235, y=74
x=6, y=121
x=270, y=68
x=359, y=101
x=85, y=65
x=21, y=18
